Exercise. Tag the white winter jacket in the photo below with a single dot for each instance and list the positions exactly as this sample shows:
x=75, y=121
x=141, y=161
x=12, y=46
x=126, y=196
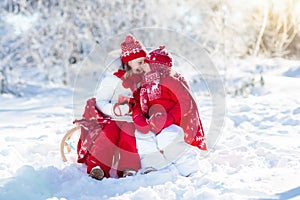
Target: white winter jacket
x=107, y=96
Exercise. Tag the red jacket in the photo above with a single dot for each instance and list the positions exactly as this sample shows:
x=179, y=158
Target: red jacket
x=168, y=96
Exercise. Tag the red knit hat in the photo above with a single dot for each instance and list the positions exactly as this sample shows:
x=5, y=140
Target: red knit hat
x=131, y=49
x=159, y=57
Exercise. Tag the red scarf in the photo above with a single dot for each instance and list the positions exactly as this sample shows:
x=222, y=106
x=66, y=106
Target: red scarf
x=150, y=86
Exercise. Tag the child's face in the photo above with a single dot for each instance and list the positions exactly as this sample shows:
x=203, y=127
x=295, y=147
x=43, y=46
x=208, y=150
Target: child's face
x=146, y=67
x=136, y=65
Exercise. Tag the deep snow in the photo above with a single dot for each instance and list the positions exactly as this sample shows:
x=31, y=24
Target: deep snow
x=256, y=157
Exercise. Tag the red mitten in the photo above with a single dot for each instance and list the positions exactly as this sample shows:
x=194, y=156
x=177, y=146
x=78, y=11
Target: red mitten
x=141, y=124
x=160, y=121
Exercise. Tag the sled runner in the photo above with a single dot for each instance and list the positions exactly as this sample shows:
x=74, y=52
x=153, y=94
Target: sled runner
x=68, y=144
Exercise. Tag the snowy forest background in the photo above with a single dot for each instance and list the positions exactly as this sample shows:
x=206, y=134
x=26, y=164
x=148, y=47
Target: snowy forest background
x=50, y=38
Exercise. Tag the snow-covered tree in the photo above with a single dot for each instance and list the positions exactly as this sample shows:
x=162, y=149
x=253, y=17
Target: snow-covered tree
x=51, y=38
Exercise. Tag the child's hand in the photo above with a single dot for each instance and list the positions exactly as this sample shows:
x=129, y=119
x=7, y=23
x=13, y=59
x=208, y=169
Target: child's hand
x=123, y=99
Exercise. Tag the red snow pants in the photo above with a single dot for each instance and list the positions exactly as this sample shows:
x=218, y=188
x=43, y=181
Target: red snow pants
x=115, y=141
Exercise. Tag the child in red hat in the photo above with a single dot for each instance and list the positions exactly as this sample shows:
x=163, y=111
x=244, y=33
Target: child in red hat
x=105, y=135
x=166, y=112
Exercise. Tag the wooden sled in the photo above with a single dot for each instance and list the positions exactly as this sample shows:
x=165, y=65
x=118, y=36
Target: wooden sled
x=66, y=144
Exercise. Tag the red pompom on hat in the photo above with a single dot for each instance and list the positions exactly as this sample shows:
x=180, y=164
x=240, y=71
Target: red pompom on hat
x=159, y=57
x=131, y=49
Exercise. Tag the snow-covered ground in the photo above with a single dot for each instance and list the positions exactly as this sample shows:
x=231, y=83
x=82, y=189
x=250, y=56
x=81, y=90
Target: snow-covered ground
x=256, y=157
